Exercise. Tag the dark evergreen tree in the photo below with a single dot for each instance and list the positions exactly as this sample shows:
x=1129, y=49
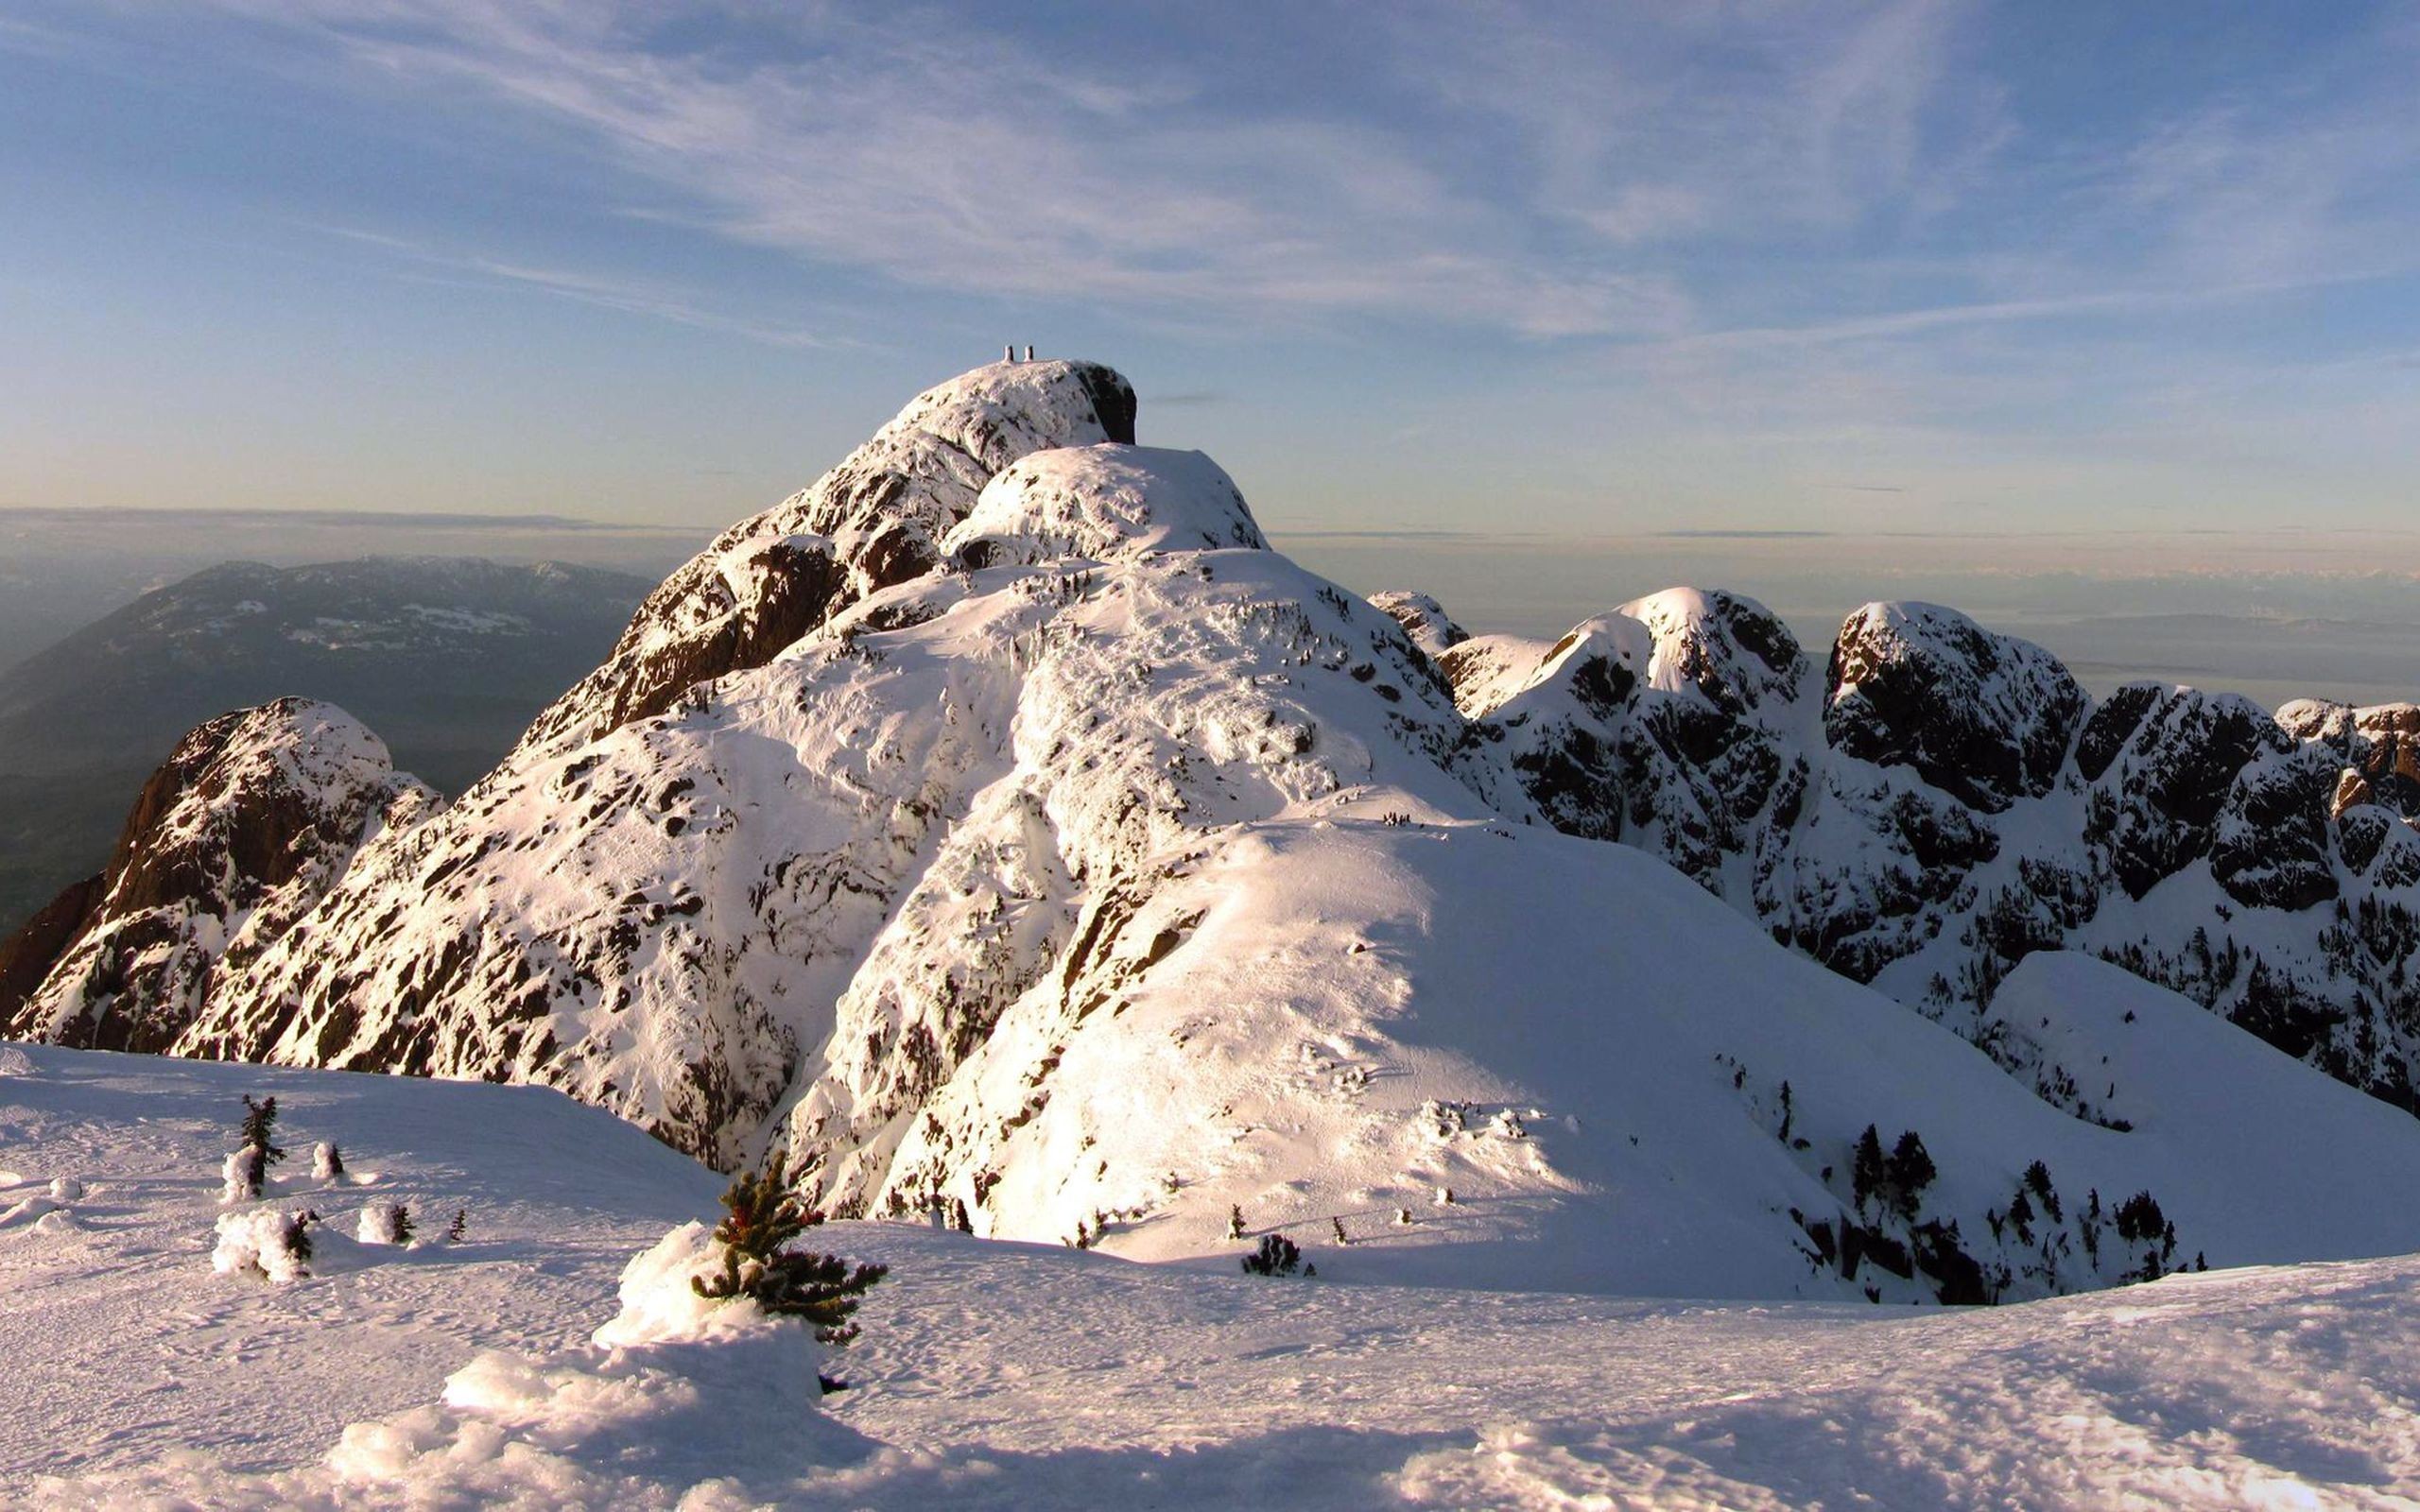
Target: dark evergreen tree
x=1276, y=1256
x=1234, y=1220
x=2139, y=1219
x=260, y=1129
x=1911, y=1171
x=400, y=1227
x=460, y=1227
x=294, y=1232
x=2021, y=1216
x=761, y=1216
x=1867, y=1169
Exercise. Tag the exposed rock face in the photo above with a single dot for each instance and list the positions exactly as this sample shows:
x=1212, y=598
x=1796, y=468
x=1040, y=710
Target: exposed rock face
x=2172, y=753
x=232, y=840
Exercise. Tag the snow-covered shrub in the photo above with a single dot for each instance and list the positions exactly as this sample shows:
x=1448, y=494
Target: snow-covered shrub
x=262, y=1242
x=384, y=1223
x=1276, y=1256
x=67, y=1189
x=762, y=1214
x=243, y=1173
x=327, y=1161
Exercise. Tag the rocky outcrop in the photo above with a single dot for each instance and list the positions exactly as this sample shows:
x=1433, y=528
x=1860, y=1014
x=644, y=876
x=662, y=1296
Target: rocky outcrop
x=2170, y=756
x=1985, y=718
x=232, y=840
x=1423, y=618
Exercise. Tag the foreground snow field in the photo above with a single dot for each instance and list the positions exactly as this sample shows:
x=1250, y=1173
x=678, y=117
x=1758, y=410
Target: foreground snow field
x=1005, y=1375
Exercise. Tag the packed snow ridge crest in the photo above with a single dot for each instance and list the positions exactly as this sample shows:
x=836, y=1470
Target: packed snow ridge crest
x=1002, y=829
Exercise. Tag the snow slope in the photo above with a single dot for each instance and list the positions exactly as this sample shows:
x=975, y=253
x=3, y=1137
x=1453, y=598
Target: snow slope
x=996, y=1375
x=142, y=1349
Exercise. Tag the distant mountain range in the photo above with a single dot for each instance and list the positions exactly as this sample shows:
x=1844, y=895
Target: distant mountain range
x=448, y=655
x=1003, y=830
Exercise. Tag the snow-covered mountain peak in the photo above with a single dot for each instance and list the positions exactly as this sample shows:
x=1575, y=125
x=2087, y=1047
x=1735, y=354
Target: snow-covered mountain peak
x=235, y=837
x=1001, y=828
x=1727, y=648
x=873, y=521
x=1111, y=502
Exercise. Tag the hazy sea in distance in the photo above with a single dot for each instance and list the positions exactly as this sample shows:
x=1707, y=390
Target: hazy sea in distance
x=2271, y=615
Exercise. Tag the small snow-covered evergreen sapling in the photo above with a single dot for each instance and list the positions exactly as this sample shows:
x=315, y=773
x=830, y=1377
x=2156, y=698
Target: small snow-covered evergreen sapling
x=247, y=1169
x=385, y=1223
x=264, y=1243
x=460, y=1227
x=327, y=1161
x=762, y=1214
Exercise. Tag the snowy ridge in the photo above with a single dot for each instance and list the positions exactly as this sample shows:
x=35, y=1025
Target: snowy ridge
x=1105, y=503
x=1004, y=831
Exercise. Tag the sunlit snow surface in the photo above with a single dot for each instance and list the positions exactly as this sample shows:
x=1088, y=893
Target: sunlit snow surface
x=1001, y=1375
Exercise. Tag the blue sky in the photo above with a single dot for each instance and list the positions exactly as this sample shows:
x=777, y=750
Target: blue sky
x=1581, y=269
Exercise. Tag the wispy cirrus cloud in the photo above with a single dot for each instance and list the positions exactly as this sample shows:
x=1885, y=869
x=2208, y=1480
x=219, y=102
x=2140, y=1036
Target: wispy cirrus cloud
x=1518, y=168
x=629, y=296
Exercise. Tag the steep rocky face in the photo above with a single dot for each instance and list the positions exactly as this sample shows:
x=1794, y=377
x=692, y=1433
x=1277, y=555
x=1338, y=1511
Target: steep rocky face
x=1424, y=619
x=231, y=841
x=2172, y=754
x=875, y=521
x=1668, y=723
